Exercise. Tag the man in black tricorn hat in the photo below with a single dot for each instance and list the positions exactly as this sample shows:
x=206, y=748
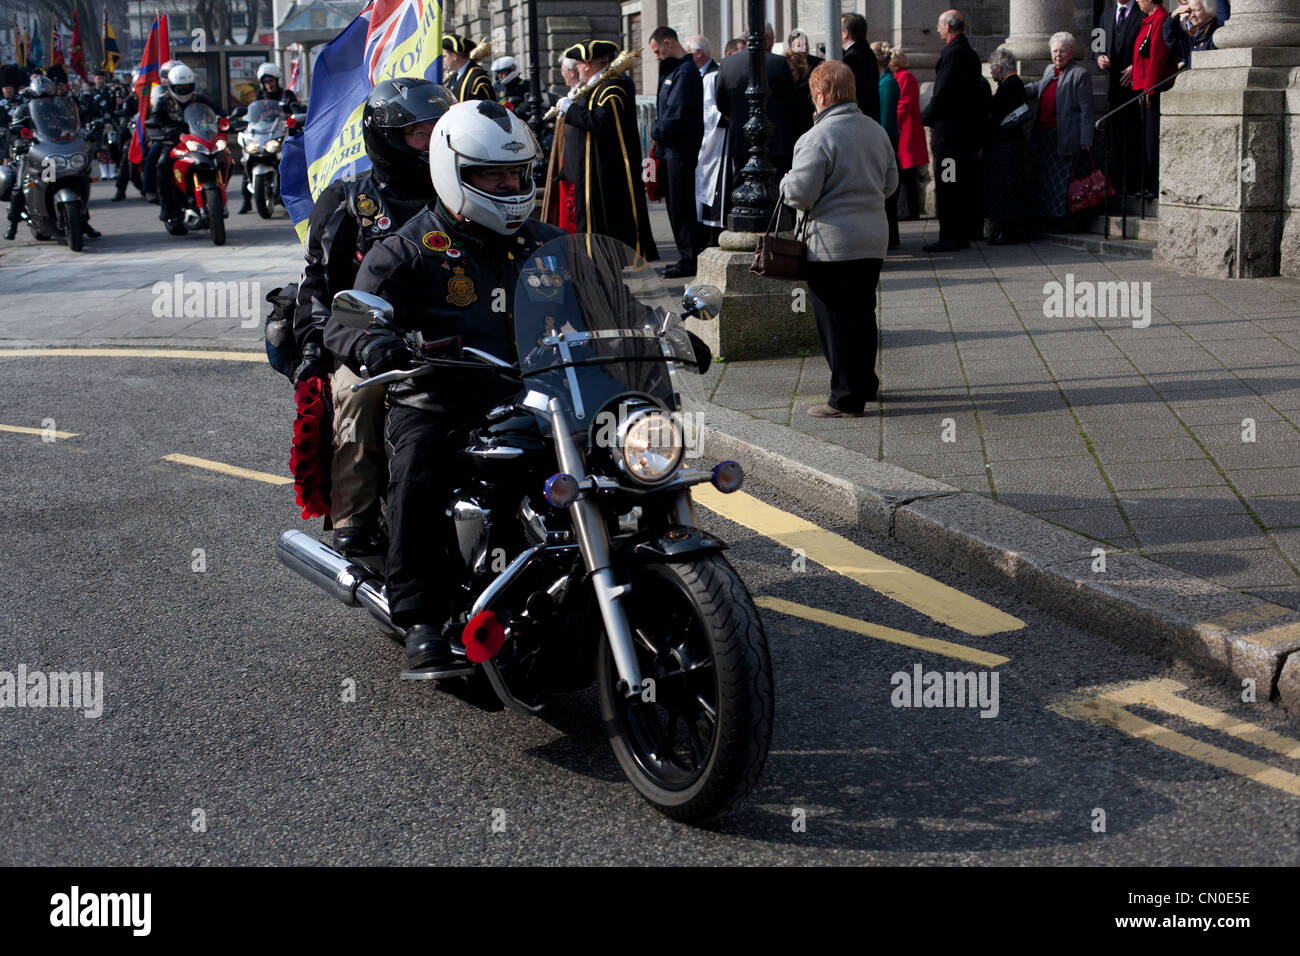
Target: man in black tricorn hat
x=602, y=152
x=461, y=75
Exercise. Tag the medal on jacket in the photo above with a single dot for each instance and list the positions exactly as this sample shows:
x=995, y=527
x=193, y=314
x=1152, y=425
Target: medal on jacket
x=460, y=289
x=366, y=206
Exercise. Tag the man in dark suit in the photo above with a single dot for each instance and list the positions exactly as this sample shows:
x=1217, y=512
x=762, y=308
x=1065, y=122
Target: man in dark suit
x=957, y=110
x=859, y=58
x=701, y=52
x=733, y=80
x=1120, y=23
x=678, y=132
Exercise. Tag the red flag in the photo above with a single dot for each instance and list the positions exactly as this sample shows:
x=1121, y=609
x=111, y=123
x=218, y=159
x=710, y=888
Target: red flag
x=155, y=55
x=77, y=53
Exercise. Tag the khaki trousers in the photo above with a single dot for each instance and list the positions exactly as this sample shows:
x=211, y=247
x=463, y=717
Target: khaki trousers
x=360, y=468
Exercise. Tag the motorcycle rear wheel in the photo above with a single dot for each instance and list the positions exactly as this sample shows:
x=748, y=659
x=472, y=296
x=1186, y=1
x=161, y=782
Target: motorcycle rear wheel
x=72, y=226
x=697, y=747
x=216, y=210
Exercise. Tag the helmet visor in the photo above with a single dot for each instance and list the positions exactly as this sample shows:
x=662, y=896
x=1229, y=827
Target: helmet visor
x=183, y=89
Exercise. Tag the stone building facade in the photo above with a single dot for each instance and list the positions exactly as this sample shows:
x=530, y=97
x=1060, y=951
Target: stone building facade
x=1230, y=181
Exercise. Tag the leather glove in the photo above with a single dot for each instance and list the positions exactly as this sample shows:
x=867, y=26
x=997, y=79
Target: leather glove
x=382, y=352
x=315, y=363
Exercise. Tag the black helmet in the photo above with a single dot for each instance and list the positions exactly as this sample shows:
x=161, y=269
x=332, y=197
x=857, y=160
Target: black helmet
x=391, y=106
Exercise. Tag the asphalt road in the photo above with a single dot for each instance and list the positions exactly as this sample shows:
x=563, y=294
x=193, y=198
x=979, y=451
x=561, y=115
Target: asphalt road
x=223, y=688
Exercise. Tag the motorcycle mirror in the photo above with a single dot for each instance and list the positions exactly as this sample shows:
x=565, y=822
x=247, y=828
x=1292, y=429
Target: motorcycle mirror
x=239, y=111
x=359, y=310
x=703, y=302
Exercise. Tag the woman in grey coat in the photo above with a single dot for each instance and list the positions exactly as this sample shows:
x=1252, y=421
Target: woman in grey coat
x=843, y=169
x=1063, y=128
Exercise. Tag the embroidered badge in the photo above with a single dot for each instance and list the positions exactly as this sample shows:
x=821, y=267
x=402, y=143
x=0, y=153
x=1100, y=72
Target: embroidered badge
x=437, y=241
x=460, y=289
x=366, y=206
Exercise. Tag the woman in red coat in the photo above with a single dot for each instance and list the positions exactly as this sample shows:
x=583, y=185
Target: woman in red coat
x=912, y=154
x=1153, y=61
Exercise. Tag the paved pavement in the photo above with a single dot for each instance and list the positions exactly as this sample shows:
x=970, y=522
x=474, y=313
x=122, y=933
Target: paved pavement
x=1178, y=441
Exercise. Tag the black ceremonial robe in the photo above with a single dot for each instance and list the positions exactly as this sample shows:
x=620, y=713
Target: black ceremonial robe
x=602, y=158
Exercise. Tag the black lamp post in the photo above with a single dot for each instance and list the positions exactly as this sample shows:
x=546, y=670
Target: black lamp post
x=534, y=73
x=756, y=196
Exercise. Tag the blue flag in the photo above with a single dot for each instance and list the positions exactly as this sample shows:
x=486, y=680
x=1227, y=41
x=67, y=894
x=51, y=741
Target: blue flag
x=388, y=39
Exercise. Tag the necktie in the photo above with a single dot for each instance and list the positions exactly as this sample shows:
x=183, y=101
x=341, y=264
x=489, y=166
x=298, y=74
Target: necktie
x=1119, y=19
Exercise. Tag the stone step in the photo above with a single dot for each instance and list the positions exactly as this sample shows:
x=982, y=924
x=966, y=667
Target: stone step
x=1147, y=229
x=1128, y=248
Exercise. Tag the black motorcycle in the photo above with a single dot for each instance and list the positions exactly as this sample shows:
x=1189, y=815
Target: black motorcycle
x=579, y=555
x=52, y=170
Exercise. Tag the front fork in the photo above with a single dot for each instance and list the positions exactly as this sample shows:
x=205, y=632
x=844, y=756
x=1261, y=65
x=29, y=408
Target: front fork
x=593, y=539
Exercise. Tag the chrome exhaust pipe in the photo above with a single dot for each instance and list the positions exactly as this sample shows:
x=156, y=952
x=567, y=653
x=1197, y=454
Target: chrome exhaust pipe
x=353, y=584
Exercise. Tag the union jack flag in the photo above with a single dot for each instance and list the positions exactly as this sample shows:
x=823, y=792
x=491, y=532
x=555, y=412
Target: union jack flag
x=388, y=23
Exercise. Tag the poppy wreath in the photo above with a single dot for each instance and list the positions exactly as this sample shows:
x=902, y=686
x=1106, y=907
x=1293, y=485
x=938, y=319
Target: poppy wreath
x=313, y=446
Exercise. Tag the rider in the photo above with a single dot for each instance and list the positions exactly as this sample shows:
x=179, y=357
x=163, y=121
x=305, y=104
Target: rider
x=268, y=80
x=450, y=271
x=511, y=88
x=168, y=113
x=41, y=87
x=124, y=115
x=349, y=217
x=149, y=168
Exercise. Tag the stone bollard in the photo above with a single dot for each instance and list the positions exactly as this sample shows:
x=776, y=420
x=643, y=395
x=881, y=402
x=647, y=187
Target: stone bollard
x=760, y=318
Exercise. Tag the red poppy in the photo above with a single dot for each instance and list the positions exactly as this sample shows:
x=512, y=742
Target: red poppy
x=483, y=636
x=309, y=456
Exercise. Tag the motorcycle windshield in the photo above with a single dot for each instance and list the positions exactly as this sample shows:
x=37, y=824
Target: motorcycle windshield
x=201, y=120
x=264, y=116
x=55, y=118
x=593, y=323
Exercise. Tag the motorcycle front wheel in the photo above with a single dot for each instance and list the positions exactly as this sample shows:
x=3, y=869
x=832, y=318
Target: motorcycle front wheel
x=216, y=210
x=73, y=225
x=694, y=742
x=264, y=197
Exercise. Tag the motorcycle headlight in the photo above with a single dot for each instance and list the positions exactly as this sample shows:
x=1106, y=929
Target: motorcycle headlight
x=58, y=162
x=76, y=161
x=650, y=446
x=272, y=145
x=192, y=146
x=221, y=144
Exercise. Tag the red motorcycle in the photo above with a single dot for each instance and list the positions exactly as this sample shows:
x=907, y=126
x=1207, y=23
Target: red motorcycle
x=202, y=169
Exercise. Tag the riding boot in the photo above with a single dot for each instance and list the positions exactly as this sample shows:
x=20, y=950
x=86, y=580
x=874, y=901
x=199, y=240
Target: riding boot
x=248, y=201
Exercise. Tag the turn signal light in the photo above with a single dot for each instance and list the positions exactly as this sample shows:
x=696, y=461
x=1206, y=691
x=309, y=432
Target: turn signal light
x=728, y=476
x=561, y=490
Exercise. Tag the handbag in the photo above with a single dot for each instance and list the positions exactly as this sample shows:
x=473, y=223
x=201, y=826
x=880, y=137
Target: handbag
x=777, y=258
x=1091, y=191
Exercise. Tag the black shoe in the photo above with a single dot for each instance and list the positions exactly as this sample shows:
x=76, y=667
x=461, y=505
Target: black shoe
x=176, y=227
x=89, y=231
x=247, y=206
x=358, y=542
x=426, y=647
x=151, y=198
x=12, y=232
x=945, y=246
x=680, y=270
x=118, y=196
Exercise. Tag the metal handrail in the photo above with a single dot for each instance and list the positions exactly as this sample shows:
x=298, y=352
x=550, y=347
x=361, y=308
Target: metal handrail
x=1142, y=141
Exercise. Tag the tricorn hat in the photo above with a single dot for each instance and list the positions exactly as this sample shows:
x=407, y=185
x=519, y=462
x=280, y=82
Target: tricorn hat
x=455, y=43
x=589, y=50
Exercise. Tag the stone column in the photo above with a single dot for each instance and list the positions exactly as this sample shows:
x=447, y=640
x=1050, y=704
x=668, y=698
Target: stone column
x=1032, y=24
x=1265, y=23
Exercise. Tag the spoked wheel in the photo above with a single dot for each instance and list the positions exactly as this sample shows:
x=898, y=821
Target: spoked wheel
x=694, y=744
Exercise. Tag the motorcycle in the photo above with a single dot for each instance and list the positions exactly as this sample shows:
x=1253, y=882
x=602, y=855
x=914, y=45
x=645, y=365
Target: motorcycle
x=202, y=169
x=267, y=129
x=572, y=528
x=52, y=169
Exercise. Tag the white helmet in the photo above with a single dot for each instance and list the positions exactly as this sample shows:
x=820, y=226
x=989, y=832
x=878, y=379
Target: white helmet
x=268, y=69
x=164, y=71
x=507, y=64
x=180, y=83
x=483, y=133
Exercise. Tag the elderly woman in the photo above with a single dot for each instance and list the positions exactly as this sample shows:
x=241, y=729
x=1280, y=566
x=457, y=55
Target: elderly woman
x=843, y=169
x=889, y=96
x=1199, y=20
x=912, y=151
x=1063, y=129
x=1008, y=116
